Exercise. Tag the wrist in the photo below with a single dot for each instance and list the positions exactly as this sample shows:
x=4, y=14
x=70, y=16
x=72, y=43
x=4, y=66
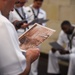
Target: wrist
x=70, y=51
x=67, y=52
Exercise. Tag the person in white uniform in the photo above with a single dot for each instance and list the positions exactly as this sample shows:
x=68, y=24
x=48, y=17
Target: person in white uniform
x=14, y=17
x=12, y=61
x=35, y=11
x=19, y=14
x=67, y=37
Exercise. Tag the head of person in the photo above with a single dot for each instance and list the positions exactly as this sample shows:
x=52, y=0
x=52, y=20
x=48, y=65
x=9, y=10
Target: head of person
x=11, y=3
x=67, y=27
x=17, y=3
x=6, y=6
x=37, y=3
x=2, y=4
x=20, y=3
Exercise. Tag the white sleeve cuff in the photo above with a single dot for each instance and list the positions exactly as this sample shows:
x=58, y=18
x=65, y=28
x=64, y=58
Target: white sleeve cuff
x=72, y=50
x=24, y=52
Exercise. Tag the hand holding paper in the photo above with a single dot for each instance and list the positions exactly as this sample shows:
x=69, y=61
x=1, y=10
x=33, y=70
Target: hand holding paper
x=18, y=24
x=35, y=36
x=57, y=47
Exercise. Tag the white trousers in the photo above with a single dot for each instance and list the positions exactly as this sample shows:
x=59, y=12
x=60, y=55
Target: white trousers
x=71, y=70
x=34, y=68
x=53, y=66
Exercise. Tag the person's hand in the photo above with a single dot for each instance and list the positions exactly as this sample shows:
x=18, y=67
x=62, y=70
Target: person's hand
x=29, y=43
x=24, y=25
x=17, y=26
x=32, y=54
x=63, y=51
x=53, y=50
x=14, y=23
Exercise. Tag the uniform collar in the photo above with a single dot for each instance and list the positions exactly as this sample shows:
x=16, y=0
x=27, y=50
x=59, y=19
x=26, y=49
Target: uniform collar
x=33, y=7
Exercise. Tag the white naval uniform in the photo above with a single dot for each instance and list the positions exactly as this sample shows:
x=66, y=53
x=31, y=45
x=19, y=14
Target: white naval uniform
x=31, y=14
x=12, y=61
x=53, y=66
x=40, y=14
x=13, y=16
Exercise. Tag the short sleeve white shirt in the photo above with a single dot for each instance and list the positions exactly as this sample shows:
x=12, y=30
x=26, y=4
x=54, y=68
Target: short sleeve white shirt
x=12, y=61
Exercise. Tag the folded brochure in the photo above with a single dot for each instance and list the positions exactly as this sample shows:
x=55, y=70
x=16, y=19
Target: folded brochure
x=35, y=35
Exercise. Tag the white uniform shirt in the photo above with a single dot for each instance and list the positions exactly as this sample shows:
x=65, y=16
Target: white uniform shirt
x=15, y=16
x=12, y=61
x=41, y=14
x=64, y=40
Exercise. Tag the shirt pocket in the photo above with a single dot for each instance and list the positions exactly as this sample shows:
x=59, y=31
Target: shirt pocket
x=40, y=16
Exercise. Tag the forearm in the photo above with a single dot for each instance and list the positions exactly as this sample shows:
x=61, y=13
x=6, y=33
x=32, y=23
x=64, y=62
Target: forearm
x=31, y=55
x=27, y=70
x=64, y=52
x=28, y=62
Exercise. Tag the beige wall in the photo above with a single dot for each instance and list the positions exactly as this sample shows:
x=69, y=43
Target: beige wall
x=57, y=11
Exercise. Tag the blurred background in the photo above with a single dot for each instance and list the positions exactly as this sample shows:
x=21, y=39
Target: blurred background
x=57, y=11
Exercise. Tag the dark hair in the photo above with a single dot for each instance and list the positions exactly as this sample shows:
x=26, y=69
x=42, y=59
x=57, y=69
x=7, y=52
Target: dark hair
x=17, y=2
x=65, y=23
x=39, y=0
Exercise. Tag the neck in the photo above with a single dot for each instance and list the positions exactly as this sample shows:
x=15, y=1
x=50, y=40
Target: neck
x=34, y=6
x=5, y=12
x=16, y=6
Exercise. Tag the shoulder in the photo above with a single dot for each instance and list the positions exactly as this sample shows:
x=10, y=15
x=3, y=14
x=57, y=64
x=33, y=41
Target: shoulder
x=12, y=12
x=4, y=22
x=24, y=8
x=62, y=33
x=28, y=8
x=42, y=11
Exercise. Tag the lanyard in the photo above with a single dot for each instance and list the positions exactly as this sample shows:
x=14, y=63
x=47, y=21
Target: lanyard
x=70, y=40
x=35, y=16
x=24, y=15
